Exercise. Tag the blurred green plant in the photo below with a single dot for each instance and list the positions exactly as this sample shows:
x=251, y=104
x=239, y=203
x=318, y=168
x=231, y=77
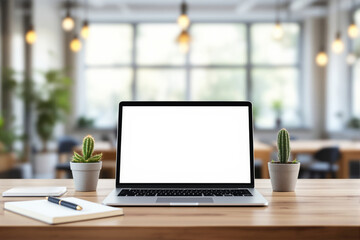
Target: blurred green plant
x=8, y=79
x=277, y=106
x=354, y=123
x=7, y=132
x=52, y=102
x=7, y=137
x=84, y=122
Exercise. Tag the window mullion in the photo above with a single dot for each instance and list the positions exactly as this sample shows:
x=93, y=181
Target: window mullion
x=133, y=64
x=248, y=63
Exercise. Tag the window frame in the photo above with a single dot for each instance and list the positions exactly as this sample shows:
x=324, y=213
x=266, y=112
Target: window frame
x=248, y=67
x=351, y=68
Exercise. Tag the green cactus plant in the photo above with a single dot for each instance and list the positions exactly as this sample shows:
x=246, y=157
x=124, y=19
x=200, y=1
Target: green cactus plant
x=87, y=152
x=283, y=144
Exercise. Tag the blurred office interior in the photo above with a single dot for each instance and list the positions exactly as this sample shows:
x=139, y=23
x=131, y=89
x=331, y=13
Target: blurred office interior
x=65, y=66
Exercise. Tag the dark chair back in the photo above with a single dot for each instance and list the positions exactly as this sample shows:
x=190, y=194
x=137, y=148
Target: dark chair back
x=328, y=154
x=67, y=144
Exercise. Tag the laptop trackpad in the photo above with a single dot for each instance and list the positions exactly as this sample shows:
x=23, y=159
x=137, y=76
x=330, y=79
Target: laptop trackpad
x=184, y=200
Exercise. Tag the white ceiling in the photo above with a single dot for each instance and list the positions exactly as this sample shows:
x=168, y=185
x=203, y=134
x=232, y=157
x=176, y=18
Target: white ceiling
x=216, y=10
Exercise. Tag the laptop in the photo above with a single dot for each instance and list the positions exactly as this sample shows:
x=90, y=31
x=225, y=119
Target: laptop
x=185, y=154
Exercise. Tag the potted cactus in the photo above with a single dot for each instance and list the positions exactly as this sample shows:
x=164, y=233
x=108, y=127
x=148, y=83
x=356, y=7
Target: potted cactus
x=86, y=167
x=283, y=174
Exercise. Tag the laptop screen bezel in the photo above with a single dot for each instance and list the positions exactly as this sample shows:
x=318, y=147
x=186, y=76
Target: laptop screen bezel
x=184, y=185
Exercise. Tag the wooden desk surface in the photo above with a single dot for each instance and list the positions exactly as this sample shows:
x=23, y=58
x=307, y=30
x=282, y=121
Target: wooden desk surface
x=327, y=209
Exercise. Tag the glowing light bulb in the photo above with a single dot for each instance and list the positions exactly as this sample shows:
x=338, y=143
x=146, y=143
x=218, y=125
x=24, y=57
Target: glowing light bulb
x=183, y=21
x=85, y=30
x=321, y=59
x=278, y=31
x=30, y=36
x=337, y=45
x=353, y=31
x=351, y=58
x=184, y=41
x=68, y=23
x=75, y=44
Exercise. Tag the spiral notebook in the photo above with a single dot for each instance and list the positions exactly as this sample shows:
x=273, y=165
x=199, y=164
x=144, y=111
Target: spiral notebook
x=51, y=213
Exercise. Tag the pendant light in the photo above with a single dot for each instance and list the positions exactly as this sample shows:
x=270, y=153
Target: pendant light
x=184, y=41
x=30, y=35
x=68, y=22
x=75, y=44
x=353, y=31
x=183, y=19
x=321, y=57
x=85, y=28
x=278, y=31
x=338, y=45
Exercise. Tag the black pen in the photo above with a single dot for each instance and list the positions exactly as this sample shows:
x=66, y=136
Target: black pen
x=64, y=203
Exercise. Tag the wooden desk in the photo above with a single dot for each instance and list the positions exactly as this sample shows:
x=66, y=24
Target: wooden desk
x=319, y=209
x=350, y=151
x=262, y=151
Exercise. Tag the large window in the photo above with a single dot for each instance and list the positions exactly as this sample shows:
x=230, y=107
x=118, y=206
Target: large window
x=356, y=73
x=226, y=61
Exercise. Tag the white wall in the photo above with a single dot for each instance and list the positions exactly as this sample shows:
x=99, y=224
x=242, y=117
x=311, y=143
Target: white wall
x=48, y=51
x=337, y=86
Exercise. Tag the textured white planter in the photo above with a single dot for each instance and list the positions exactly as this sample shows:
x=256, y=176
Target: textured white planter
x=85, y=175
x=45, y=163
x=283, y=176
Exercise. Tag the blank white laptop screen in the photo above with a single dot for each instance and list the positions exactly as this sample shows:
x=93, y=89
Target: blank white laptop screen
x=181, y=144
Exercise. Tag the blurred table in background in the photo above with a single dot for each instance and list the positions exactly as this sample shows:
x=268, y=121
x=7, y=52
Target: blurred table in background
x=263, y=152
x=7, y=161
x=350, y=151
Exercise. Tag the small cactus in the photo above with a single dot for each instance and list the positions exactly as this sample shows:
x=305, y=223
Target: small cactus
x=283, y=144
x=87, y=152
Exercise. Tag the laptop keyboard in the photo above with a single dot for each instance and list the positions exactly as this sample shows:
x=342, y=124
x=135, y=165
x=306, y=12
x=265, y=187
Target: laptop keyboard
x=185, y=192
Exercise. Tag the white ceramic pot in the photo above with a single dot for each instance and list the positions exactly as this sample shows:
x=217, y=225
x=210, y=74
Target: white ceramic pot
x=85, y=175
x=45, y=163
x=283, y=176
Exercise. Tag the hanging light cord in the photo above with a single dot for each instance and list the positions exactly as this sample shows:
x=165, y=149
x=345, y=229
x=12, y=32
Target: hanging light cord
x=183, y=7
x=338, y=16
x=322, y=36
x=68, y=8
x=86, y=9
x=277, y=17
x=352, y=9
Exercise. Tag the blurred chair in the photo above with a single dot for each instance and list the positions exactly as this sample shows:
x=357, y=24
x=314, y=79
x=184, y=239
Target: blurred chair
x=258, y=166
x=23, y=171
x=65, y=151
x=325, y=162
x=355, y=169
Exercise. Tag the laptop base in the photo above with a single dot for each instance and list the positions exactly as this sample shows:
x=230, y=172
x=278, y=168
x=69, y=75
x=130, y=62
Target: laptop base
x=255, y=200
